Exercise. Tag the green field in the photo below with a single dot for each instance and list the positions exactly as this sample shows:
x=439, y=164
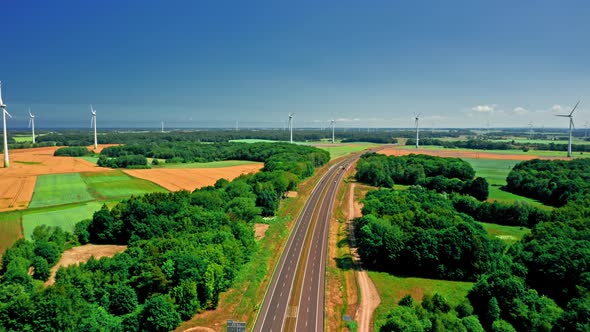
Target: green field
x=508, y=234
x=117, y=184
x=496, y=171
x=391, y=289
x=58, y=189
x=541, y=153
x=337, y=151
x=542, y=141
x=10, y=229
x=90, y=159
x=213, y=164
x=253, y=140
x=22, y=139
x=64, y=216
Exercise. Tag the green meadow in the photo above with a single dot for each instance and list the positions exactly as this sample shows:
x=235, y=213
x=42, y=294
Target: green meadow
x=59, y=189
x=508, y=234
x=496, y=171
x=340, y=150
x=391, y=289
x=64, y=216
x=116, y=184
x=540, y=153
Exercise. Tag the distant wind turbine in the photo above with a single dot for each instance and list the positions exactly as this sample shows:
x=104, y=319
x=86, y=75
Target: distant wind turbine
x=4, y=114
x=571, y=117
x=416, y=122
x=333, y=123
x=93, y=122
x=32, y=124
x=162, y=126
x=531, y=130
x=291, y=126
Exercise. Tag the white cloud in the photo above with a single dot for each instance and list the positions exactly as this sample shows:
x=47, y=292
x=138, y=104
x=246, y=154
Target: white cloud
x=347, y=120
x=484, y=108
x=520, y=110
x=557, y=108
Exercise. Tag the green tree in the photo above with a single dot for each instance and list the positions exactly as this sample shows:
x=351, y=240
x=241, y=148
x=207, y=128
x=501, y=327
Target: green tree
x=159, y=314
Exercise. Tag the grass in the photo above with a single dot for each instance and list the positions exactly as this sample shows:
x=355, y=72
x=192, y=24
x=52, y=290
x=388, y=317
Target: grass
x=117, y=184
x=496, y=171
x=64, y=217
x=213, y=164
x=27, y=162
x=338, y=151
x=391, y=289
x=508, y=234
x=91, y=159
x=253, y=140
x=58, y=189
x=10, y=229
x=23, y=139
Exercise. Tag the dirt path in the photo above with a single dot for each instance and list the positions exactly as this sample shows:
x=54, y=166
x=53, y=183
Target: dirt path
x=369, y=296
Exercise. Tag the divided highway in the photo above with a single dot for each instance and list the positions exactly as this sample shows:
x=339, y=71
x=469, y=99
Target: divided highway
x=294, y=300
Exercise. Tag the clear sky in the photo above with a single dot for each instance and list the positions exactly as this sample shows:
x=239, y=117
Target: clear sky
x=364, y=63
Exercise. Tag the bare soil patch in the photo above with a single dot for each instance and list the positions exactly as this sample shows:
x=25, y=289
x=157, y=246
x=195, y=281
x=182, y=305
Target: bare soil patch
x=18, y=181
x=175, y=179
x=291, y=194
x=82, y=254
x=458, y=153
x=260, y=230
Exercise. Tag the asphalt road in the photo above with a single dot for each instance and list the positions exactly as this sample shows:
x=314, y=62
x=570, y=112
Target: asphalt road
x=294, y=300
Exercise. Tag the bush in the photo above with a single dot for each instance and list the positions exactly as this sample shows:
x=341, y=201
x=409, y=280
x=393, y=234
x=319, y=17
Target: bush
x=72, y=151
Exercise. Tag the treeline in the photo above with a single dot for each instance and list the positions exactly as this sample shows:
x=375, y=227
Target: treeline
x=72, y=151
x=183, y=250
x=510, y=214
x=126, y=161
x=553, y=182
x=372, y=138
x=418, y=232
x=436, y=173
x=482, y=144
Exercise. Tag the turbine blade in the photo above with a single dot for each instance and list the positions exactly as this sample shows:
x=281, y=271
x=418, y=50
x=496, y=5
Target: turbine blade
x=10, y=116
x=572, y=123
x=563, y=116
x=91, y=121
x=572, y=112
x=1, y=103
x=30, y=120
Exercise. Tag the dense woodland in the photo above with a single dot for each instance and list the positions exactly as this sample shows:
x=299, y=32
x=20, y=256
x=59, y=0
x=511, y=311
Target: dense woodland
x=553, y=182
x=485, y=144
x=183, y=250
x=436, y=173
x=540, y=283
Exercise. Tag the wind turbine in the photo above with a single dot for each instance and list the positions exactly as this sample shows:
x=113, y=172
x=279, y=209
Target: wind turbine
x=32, y=123
x=291, y=126
x=531, y=131
x=93, y=122
x=416, y=120
x=4, y=113
x=333, y=122
x=162, y=126
x=571, y=117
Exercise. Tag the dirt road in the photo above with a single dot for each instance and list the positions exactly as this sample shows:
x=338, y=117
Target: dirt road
x=369, y=295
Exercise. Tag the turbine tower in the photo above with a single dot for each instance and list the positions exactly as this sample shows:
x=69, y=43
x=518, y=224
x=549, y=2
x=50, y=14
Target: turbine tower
x=291, y=126
x=4, y=113
x=571, y=117
x=416, y=120
x=93, y=122
x=333, y=122
x=32, y=124
x=162, y=126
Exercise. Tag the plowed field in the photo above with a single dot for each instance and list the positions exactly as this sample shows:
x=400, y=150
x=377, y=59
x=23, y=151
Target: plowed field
x=457, y=153
x=191, y=179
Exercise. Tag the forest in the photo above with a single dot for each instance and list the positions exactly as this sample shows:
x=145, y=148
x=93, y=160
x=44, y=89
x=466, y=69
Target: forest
x=184, y=249
x=553, y=182
x=540, y=283
x=485, y=144
x=436, y=173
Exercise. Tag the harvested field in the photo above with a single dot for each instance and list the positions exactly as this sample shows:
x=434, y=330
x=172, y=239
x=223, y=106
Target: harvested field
x=464, y=153
x=100, y=147
x=191, y=179
x=18, y=182
x=82, y=254
x=260, y=230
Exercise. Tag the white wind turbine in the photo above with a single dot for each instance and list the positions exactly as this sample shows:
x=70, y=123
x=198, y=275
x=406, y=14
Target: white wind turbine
x=32, y=124
x=93, y=122
x=416, y=120
x=571, y=117
x=4, y=113
x=333, y=123
x=291, y=126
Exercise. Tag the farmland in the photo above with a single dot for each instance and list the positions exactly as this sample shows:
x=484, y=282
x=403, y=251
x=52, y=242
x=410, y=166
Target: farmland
x=339, y=150
x=59, y=189
x=10, y=229
x=64, y=216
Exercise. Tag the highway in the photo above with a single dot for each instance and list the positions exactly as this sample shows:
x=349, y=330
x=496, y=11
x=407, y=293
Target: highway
x=294, y=300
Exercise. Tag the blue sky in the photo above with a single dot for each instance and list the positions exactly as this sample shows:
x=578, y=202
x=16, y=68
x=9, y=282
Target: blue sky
x=364, y=63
